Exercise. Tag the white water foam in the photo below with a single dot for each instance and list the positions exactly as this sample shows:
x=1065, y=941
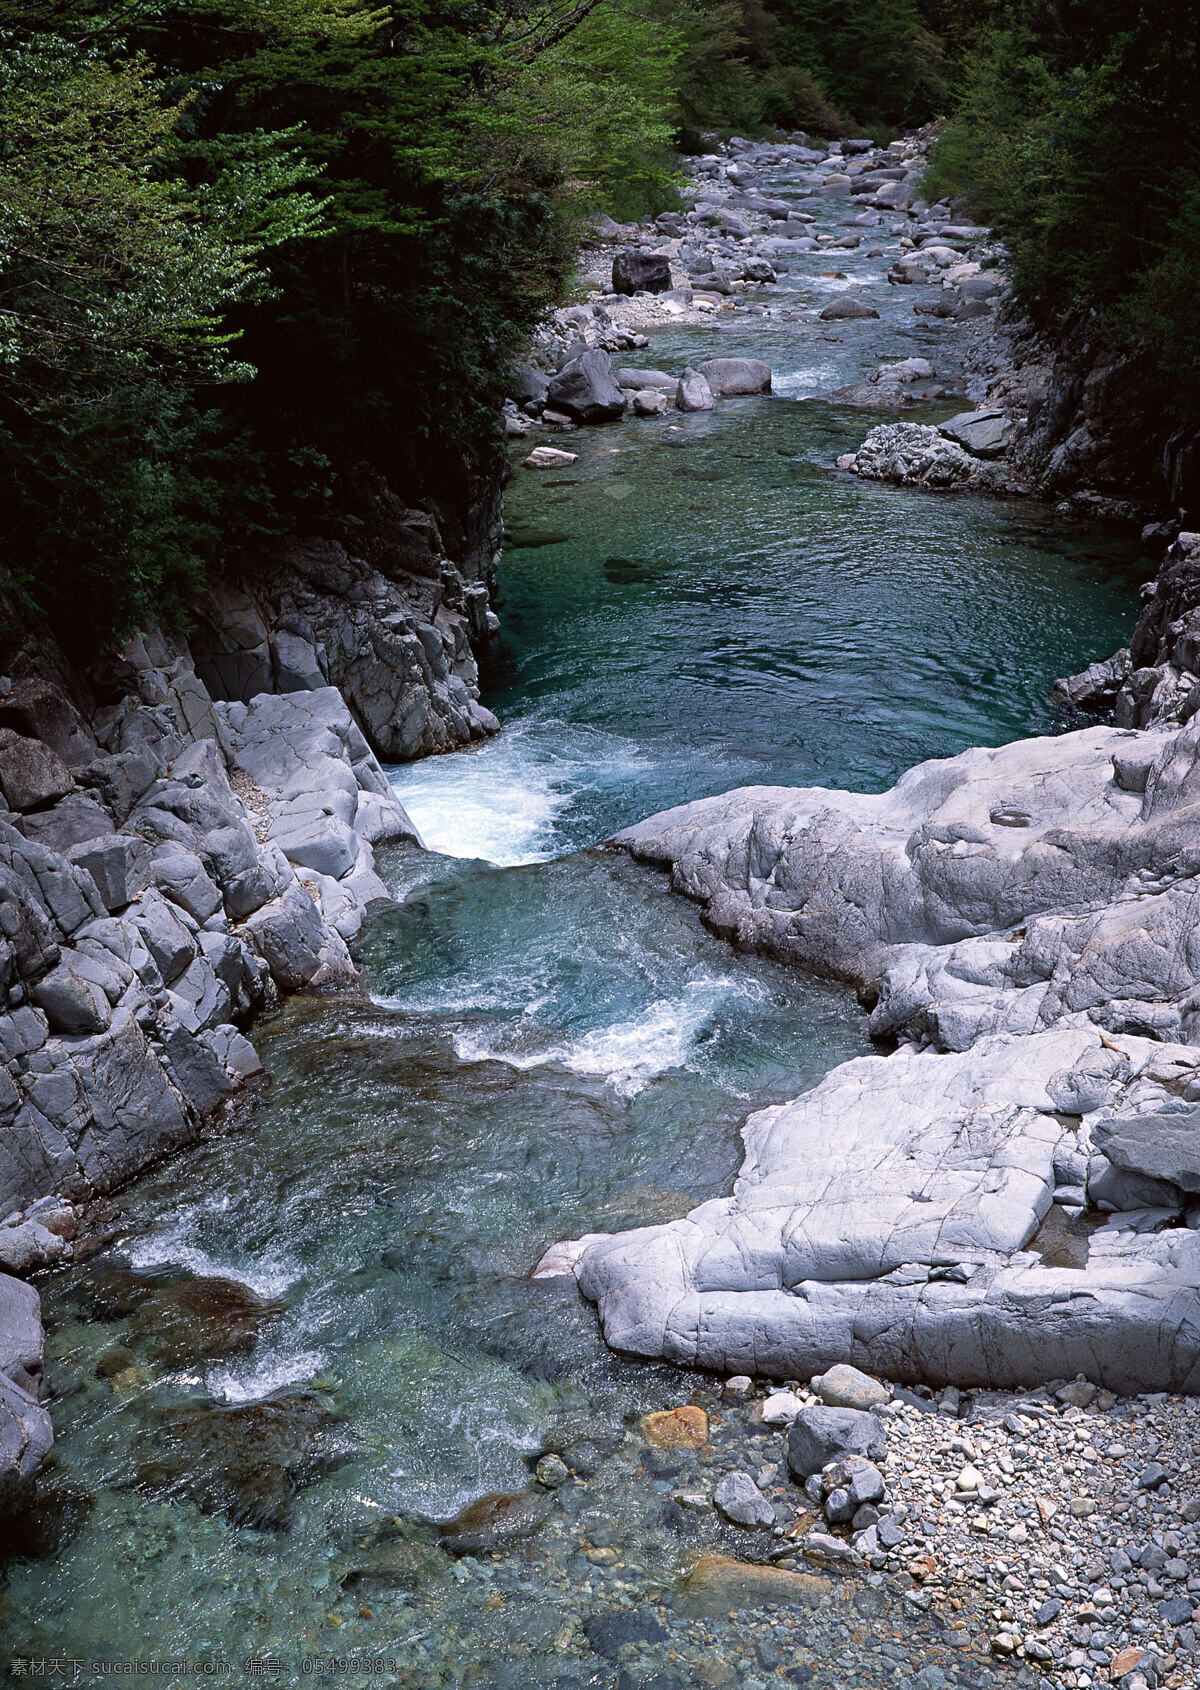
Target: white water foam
x=175, y=1247
x=628, y=1054
x=815, y=378
x=488, y=805
x=502, y=801
x=267, y=1377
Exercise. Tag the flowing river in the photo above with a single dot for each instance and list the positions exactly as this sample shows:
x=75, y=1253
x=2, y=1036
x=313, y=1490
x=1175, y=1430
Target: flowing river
x=315, y=1337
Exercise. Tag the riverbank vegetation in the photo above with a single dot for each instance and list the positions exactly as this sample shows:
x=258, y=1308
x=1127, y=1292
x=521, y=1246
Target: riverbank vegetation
x=1076, y=131
x=249, y=245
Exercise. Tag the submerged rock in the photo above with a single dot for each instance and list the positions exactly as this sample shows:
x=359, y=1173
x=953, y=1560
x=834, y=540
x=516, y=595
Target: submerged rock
x=246, y=1462
x=717, y=1583
x=676, y=1428
x=494, y=1520
x=201, y=1318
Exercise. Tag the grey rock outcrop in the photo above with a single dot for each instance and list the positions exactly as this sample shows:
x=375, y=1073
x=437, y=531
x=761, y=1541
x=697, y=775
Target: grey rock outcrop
x=393, y=631
x=148, y=915
x=202, y=857
x=885, y=1218
x=25, y=1431
x=1025, y=920
x=1156, y=680
x=916, y=455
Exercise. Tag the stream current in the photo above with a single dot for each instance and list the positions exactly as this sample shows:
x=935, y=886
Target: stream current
x=314, y=1338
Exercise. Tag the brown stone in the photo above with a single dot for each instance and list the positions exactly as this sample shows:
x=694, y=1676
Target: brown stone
x=1124, y=1661
x=714, y=1674
x=716, y=1584
x=676, y=1428
x=494, y=1520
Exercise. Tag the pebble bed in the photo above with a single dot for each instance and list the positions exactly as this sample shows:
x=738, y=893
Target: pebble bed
x=1044, y=1540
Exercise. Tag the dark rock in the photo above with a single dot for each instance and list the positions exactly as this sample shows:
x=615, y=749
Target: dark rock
x=180, y=876
x=290, y=935
x=39, y=708
x=1153, y=1476
x=51, y=1517
x=31, y=775
x=1178, y=1611
x=165, y=937
x=119, y=864
x=75, y=820
x=204, y=1081
x=985, y=434
x=608, y=1632
x=641, y=272
x=979, y=287
x=820, y=1435
x=496, y=1519
x=199, y=1319
x=247, y=1462
x=25, y=1431
x=72, y=1002
x=847, y=309
x=531, y=385
x=585, y=390
x=295, y=664
x=1049, y=1610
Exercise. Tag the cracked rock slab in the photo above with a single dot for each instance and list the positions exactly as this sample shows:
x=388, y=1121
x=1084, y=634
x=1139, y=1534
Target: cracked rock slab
x=883, y=1219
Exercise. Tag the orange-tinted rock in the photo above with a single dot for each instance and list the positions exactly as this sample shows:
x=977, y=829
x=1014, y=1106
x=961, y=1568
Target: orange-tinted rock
x=717, y=1583
x=676, y=1428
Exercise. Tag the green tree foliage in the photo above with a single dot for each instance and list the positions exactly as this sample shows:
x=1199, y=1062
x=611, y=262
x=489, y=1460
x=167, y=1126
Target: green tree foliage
x=1077, y=132
x=249, y=245
x=829, y=66
x=245, y=244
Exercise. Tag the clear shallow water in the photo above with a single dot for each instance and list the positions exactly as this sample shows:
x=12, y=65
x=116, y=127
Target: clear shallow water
x=548, y=1043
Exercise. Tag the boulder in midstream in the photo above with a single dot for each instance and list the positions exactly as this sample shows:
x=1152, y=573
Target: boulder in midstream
x=494, y=1520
